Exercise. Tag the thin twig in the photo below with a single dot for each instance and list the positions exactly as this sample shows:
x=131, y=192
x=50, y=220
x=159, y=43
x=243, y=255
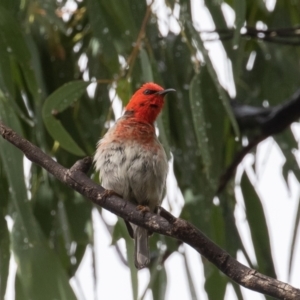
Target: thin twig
x=286, y=36
x=132, y=57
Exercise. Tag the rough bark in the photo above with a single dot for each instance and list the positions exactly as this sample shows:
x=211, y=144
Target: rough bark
x=164, y=223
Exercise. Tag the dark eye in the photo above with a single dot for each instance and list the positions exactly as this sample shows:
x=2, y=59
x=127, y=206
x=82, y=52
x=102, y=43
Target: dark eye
x=154, y=105
x=149, y=92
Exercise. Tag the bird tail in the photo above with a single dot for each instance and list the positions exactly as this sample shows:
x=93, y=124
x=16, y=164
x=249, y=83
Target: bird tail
x=141, y=250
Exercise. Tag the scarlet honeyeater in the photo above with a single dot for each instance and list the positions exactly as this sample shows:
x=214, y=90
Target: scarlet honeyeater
x=133, y=163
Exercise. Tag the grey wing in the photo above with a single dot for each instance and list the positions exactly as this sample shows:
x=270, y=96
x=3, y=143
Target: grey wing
x=147, y=176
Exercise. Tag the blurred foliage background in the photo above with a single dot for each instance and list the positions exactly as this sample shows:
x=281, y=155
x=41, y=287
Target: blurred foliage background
x=65, y=65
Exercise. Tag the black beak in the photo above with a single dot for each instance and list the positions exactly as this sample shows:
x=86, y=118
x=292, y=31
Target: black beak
x=164, y=92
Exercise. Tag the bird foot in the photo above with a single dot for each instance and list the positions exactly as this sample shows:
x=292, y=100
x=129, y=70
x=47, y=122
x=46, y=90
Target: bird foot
x=109, y=193
x=143, y=209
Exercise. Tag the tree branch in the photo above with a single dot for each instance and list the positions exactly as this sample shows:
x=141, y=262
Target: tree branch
x=286, y=36
x=268, y=121
x=165, y=223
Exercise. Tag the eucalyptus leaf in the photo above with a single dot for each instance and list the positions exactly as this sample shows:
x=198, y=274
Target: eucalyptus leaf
x=55, y=49
x=29, y=245
x=196, y=102
x=147, y=74
x=240, y=13
x=11, y=38
x=6, y=81
x=258, y=228
x=57, y=103
x=120, y=231
x=105, y=43
x=159, y=286
x=4, y=255
x=223, y=96
x=214, y=277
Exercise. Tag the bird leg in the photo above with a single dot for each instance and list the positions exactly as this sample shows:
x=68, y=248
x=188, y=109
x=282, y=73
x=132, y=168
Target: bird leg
x=144, y=209
x=109, y=193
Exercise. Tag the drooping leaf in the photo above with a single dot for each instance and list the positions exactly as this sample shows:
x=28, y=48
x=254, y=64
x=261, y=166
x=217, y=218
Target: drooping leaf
x=288, y=144
x=159, y=285
x=212, y=72
x=48, y=9
x=29, y=246
x=196, y=102
x=191, y=284
x=240, y=14
x=120, y=231
x=12, y=40
x=124, y=91
x=55, y=104
x=4, y=233
x=4, y=255
x=6, y=80
x=19, y=291
x=258, y=228
x=33, y=258
x=213, y=276
x=105, y=43
x=147, y=74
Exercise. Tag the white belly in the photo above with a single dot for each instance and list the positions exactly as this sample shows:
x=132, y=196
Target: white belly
x=137, y=175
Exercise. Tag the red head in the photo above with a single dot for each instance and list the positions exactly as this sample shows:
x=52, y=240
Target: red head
x=147, y=102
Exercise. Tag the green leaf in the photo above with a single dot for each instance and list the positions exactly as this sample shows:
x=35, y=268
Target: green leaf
x=12, y=6
x=124, y=90
x=19, y=291
x=159, y=284
x=4, y=233
x=58, y=102
x=105, y=42
x=229, y=234
x=240, y=15
x=12, y=40
x=12, y=160
x=33, y=259
x=29, y=245
x=287, y=143
x=258, y=227
x=147, y=74
x=163, y=135
x=196, y=102
x=192, y=288
x=50, y=10
x=6, y=81
x=212, y=72
x=218, y=228
x=214, y=278
x=120, y=231
x=4, y=255
x=209, y=125
x=120, y=19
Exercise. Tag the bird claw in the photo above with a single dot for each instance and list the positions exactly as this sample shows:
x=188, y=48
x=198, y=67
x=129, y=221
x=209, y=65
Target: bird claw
x=109, y=193
x=143, y=209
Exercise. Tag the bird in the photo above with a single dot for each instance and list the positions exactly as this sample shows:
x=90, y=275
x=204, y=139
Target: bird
x=132, y=162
